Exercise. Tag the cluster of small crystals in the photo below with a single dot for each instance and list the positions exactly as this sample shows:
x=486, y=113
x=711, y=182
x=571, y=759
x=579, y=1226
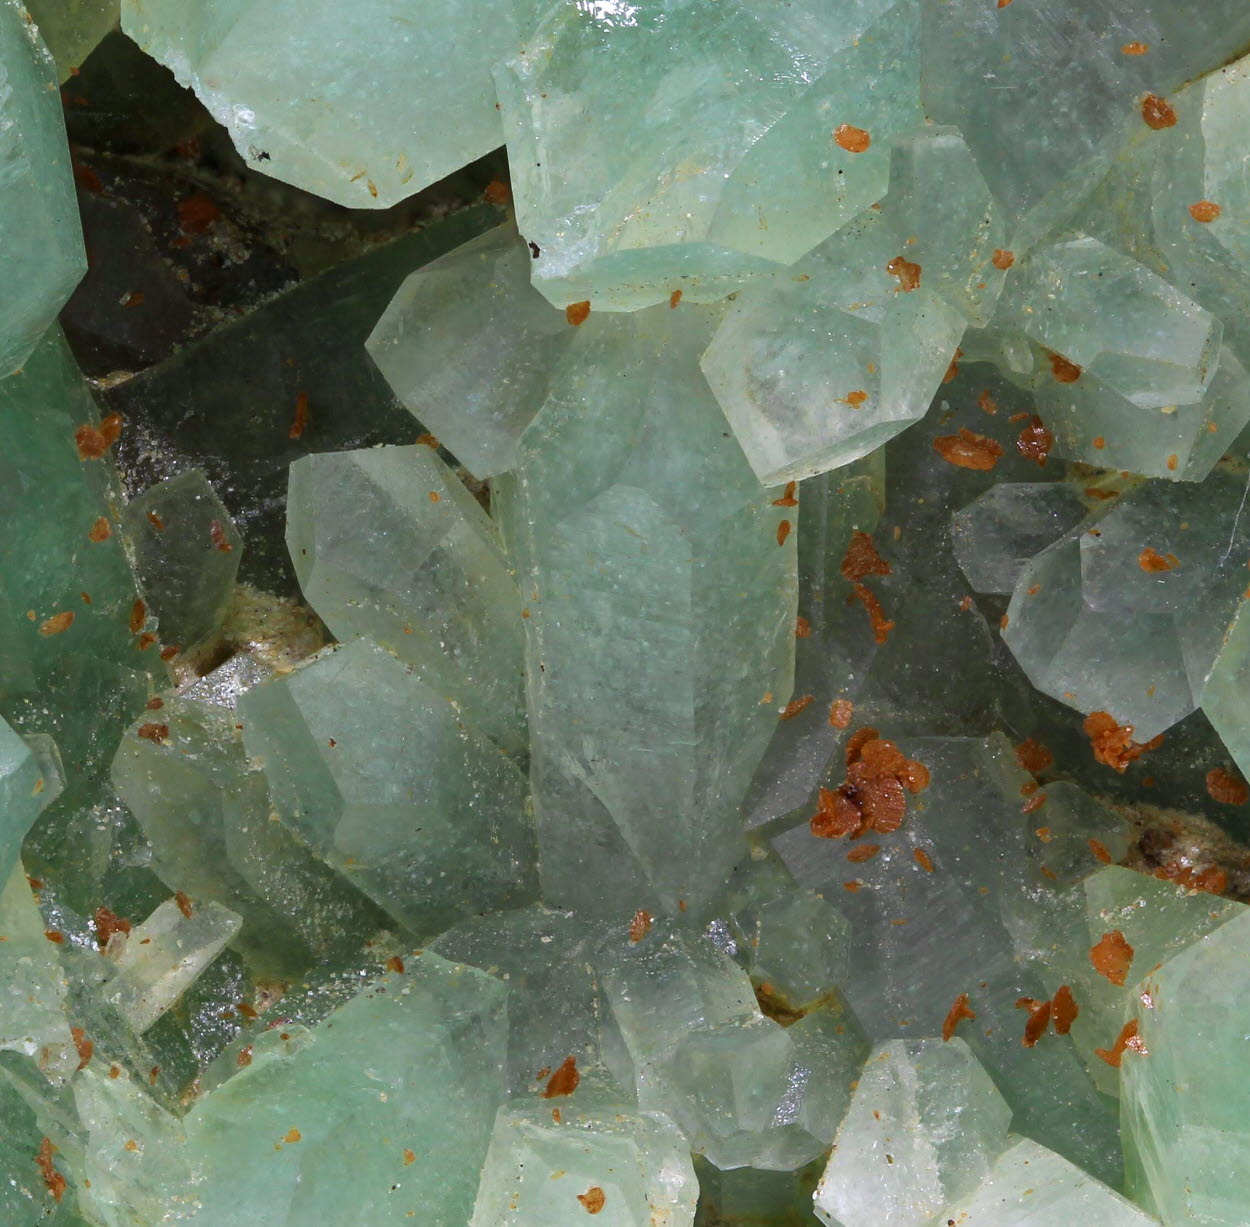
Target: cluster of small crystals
x=753, y=776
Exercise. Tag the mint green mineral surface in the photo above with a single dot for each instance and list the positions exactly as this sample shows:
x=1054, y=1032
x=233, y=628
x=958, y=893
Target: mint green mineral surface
x=624, y=612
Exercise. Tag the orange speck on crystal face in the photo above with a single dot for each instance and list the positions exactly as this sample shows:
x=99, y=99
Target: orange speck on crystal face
x=1064, y=371
x=497, y=192
x=851, y=138
x=1172, y=461
x=564, y=1081
x=1099, y=849
x=594, y=1199
x=953, y=370
x=1226, y=788
x=907, y=272
x=292, y=1136
x=1112, y=742
x=855, y=399
x=958, y=1011
x=795, y=706
x=1204, y=210
x=56, y=624
x=1134, y=49
x=802, y=628
x=395, y=964
x=783, y=531
x=1039, y=1019
x=640, y=926
x=673, y=299
x=863, y=852
x=840, y=713
x=577, y=313
x=787, y=498
x=1112, y=956
x=853, y=886
x=1035, y=441
x=986, y=403
x=100, y=530
x=1099, y=442
x=968, y=450
x=1033, y=756
x=838, y=815
x=1033, y=803
x=107, y=923
x=299, y=423
x=1002, y=259
x=183, y=900
x=1128, y=1038
x=1063, y=1010
x=410, y=1157
x=138, y=616
x=1151, y=560
x=1157, y=112
x=922, y=858
x=56, y=1183
x=83, y=1045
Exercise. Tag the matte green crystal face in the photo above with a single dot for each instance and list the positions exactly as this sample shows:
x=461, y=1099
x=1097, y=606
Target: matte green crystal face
x=359, y=116
x=72, y=28
x=378, y=774
x=679, y=194
x=41, y=251
x=388, y=544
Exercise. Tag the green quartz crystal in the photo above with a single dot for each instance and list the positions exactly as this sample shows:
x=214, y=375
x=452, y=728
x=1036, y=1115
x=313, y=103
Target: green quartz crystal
x=187, y=554
x=924, y=1127
x=477, y=404
x=680, y=194
x=378, y=774
x=825, y=364
x=404, y=108
x=23, y=793
x=41, y=251
x=72, y=28
x=437, y=594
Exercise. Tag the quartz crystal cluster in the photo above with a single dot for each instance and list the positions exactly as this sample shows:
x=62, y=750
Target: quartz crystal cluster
x=704, y=682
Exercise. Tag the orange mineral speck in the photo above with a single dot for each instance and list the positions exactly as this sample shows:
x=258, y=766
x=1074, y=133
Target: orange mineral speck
x=968, y=450
x=1134, y=49
x=1039, y=1019
x=838, y=815
x=855, y=399
x=1002, y=259
x=851, y=138
x=244, y=1057
x=410, y=1157
x=577, y=313
x=673, y=299
x=787, y=498
x=564, y=1081
x=1063, y=1010
x=863, y=852
x=1157, y=112
x=217, y=534
x=1033, y=803
x=840, y=713
x=594, y=1199
x=795, y=706
x=958, y=1011
x=1035, y=441
x=1100, y=851
x=101, y=530
x=197, y=214
x=923, y=859
x=783, y=531
x=907, y=272
x=428, y=440
x=395, y=964
x=802, y=628
x=857, y=741
x=497, y=192
x=55, y=1183
x=1151, y=560
x=138, y=616
x=299, y=423
x=107, y=922
x=1064, y=371
x=952, y=371
x=1128, y=1038
x=292, y=1135
x=183, y=900
x=1112, y=742
x=1226, y=788
x=861, y=560
x=1204, y=210
x=1112, y=956
x=1172, y=461
x=986, y=403
x=83, y=1045
x=1033, y=756
x=1099, y=442
x=640, y=926
x=56, y=624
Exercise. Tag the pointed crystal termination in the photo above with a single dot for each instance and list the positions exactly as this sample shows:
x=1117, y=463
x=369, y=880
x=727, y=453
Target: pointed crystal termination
x=23, y=793
x=997, y=535
x=435, y=591
x=628, y=204
x=933, y=1110
x=363, y=108
x=1186, y=1132
x=818, y=369
x=596, y=1156
x=381, y=777
x=477, y=401
x=655, y=670
x=187, y=553
x=72, y=28
x=1128, y=613
x=163, y=956
x=1119, y=322
x=41, y=249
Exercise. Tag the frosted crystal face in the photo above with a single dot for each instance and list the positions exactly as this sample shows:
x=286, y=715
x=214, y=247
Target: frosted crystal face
x=825, y=364
x=319, y=97
x=41, y=251
x=1128, y=613
x=1187, y=1137
x=676, y=194
x=72, y=28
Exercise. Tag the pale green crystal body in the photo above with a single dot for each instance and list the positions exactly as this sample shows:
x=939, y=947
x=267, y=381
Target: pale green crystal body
x=359, y=116
x=72, y=28
x=655, y=671
x=924, y=1126
x=1224, y=699
x=378, y=774
x=825, y=364
x=680, y=194
x=389, y=545
x=540, y=1170
x=1128, y=613
x=186, y=556
x=41, y=251
x=1183, y=1105
x=21, y=799
x=164, y=955
x=477, y=402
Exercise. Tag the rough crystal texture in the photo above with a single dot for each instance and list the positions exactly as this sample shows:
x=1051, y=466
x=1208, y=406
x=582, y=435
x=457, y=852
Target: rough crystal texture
x=361, y=106
x=379, y=775
x=628, y=203
x=930, y=1107
x=1186, y=1134
x=477, y=402
x=41, y=250
x=389, y=545
x=1128, y=613
x=186, y=556
x=600, y=1157
x=822, y=366
x=655, y=672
